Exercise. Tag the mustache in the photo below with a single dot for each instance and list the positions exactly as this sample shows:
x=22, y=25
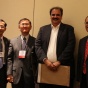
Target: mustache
x=55, y=18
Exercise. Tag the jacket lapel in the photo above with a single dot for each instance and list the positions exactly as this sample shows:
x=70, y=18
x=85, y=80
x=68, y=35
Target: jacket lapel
x=60, y=31
x=19, y=43
x=48, y=33
x=84, y=44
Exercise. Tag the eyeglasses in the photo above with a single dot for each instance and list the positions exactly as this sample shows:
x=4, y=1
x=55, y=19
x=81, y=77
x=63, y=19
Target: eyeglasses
x=26, y=24
x=55, y=15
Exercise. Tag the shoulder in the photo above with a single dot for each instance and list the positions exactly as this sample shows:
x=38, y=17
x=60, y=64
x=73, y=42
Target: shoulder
x=45, y=26
x=15, y=39
x=84, y=38
x=32, y=37
x=6, y=39
x=67, y=26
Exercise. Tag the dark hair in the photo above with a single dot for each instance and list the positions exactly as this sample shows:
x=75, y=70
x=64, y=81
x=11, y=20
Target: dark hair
x=24, y=19
x=1, y=20
x=58, y=8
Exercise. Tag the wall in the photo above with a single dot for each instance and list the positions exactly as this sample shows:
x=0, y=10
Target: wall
x=37, y=11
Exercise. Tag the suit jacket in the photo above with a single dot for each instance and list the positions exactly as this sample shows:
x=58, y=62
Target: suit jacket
x=64, y=47
x=3, y=70
x=80, y=60
x=15, y=65
x=6, y=42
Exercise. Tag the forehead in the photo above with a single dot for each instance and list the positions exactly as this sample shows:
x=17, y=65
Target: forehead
x=2, y=23
x=55, y=11
x=24, y=21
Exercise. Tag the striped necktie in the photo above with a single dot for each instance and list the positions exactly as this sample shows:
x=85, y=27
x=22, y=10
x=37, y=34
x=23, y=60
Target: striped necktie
x=24, y=43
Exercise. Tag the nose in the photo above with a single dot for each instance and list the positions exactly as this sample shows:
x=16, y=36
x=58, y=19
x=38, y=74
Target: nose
x=23, y=25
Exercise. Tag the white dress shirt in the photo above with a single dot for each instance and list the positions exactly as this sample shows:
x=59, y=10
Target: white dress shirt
x=51, y=53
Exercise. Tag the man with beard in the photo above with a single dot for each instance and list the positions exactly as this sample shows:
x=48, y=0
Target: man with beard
x=20, y=67
x=55, y=45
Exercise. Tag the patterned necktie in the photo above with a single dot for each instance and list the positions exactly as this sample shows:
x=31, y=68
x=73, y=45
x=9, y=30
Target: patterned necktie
x=24, y=43
x=85, y=57
x=1, y=58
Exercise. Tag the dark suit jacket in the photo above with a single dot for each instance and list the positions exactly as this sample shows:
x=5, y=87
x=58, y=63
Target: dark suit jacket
x=81, y=55
x=16, y=65
x=65, y=44
x=3, y=70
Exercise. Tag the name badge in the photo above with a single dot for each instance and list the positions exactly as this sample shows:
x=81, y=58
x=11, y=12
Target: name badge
x=22, y=54
x=1, y=54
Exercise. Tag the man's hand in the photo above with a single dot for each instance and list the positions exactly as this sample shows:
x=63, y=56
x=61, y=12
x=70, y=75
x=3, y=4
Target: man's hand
x=52, y=65
x=48, y=63
x=56, y=65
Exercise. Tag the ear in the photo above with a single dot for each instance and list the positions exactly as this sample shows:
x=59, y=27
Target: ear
x=18, y=26
x=5, y=29
x=30, y=27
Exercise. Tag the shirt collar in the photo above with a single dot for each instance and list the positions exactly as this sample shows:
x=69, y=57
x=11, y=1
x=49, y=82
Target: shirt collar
x=25, y=37
x=57, y=27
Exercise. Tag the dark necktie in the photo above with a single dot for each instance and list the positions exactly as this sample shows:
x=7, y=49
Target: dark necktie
x=24, y=43
x=1, y=58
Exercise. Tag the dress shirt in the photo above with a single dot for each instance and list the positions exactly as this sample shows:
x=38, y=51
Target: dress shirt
x=51, y=53
x=25, y=37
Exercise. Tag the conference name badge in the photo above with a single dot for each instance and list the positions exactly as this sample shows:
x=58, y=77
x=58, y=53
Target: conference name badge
x=22, y=54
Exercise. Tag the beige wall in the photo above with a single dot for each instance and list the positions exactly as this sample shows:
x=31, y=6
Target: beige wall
x=12, y=11
x=37, y=11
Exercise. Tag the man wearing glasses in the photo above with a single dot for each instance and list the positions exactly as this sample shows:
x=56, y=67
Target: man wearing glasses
x=20, y=67
x=4, y=44
x=82, y=62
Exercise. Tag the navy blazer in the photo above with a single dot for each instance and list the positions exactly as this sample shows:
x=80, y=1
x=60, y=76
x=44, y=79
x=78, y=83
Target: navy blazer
x=64, y=47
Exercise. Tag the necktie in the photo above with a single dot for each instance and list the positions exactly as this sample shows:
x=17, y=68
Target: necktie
x=24, y=43
x=1, y=58
x=85, y=57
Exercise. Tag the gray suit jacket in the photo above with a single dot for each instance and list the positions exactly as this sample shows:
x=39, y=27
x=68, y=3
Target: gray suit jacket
x=16, y=65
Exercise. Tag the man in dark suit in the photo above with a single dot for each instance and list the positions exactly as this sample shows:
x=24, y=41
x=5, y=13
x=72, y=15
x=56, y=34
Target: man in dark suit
x=20, y=66
x=82, y=62
x=4, y=44
x=55, y=45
